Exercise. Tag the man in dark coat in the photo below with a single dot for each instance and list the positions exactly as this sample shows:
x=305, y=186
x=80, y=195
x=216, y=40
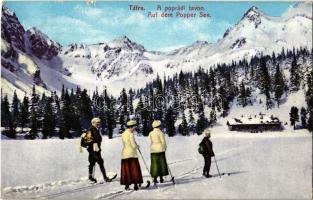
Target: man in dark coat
x=207, y=152
x=94, y=149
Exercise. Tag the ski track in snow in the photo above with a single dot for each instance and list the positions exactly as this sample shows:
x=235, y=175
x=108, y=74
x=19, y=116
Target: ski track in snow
x=62, y=183
x=232, y=154
x=118, y=193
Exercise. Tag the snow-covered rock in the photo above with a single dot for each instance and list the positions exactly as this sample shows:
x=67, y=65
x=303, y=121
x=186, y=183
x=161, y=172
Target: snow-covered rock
x=11, y=29
x=40, y=45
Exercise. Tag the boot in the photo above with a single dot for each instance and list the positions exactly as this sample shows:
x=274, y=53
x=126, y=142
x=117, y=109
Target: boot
x=136, y=187
x=208, y=175
x=161, y=179
x=107, y=179
x=126, y=187
x=92, y=179
x=204, y=173
x=155, y=180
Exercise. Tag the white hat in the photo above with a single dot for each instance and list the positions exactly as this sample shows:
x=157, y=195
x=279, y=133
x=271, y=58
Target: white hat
x=207, y=132
x=131, y=123
x=95, y=120
x=156, y=123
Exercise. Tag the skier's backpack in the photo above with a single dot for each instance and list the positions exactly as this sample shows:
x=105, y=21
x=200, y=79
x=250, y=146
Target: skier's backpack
x=201, y=149
x=86, y=139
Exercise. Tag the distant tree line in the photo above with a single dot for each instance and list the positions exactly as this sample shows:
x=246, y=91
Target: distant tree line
x=187, y=102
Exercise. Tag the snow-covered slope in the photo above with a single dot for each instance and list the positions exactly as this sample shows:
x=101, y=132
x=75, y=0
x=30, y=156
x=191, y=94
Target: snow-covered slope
x=261, y=166
x=124, y=63
x=20, y=52
x=255, y=33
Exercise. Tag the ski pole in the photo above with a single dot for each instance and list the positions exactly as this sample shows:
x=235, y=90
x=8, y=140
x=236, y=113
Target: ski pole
x=172, y=177
x=144, y=161
x=217, y=167
x=148, y=182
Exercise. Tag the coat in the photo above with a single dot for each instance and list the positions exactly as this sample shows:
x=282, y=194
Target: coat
x=96, y=138
x=208, y=147
x=129, y=145
x=157, y=139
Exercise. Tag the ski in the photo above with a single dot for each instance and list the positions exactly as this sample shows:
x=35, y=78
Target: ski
x=114, y=177
x=148, y=185
x=217, y=175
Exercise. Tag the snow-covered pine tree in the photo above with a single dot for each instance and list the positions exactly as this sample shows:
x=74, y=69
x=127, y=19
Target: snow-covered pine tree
x=123, y=110
x=283, y=55
x=279, y=85
x=24, y=113
x=34, y=114
x=48, y=122
x=242, y=95
x=138, y=115
x=130, y=102
x=15, y=109
x=183, y=127
x=309, y=100
x=108, y=114
x=294, y=116
x=146, y=122
x=273, y=58
x=76, y=108
x=170, y=122
x=181, y=80
x=212, y=81
x=294, y=75
x=213, y=117
x=201, y=123
x=192, y=124
x=303, y=114
x=310, y=121
x=265, y=82
x=109, y=117
x=67, y=116
x=6, y=118
x=86, y=109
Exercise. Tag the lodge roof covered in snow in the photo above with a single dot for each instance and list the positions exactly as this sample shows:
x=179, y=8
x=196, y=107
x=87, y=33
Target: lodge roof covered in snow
x=260, y=119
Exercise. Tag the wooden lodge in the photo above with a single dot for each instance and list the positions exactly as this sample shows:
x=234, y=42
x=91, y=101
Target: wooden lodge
x=255, y=124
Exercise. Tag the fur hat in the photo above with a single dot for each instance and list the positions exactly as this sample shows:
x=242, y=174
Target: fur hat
x=156, y=123
x=131, y=123
x=207, y=132
x=95, y=120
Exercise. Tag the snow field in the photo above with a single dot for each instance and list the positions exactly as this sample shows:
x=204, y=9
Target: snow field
x=267, y=165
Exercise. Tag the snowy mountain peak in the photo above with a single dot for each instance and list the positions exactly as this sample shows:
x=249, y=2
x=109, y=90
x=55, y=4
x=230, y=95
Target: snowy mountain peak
x=125, y=43
x=11, y=29
x=40, y=44
x=123, y=39
x=252, y=12
x=253, y=15
x=303, y=9
x=8, y=12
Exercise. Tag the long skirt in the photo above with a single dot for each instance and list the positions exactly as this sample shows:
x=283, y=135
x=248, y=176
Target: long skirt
x=130, y=172
x=158, y=165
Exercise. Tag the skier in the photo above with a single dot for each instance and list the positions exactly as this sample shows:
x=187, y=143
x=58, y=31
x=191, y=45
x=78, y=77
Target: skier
x=207, y=152
x=130, y=168
x=94, y=149
x=158, y=147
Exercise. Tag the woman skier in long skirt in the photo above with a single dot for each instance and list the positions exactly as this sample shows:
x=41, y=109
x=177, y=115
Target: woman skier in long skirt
x=158, y=147
x=130, y=168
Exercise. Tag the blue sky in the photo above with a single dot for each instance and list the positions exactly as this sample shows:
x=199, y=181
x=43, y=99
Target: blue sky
x=78, y=22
